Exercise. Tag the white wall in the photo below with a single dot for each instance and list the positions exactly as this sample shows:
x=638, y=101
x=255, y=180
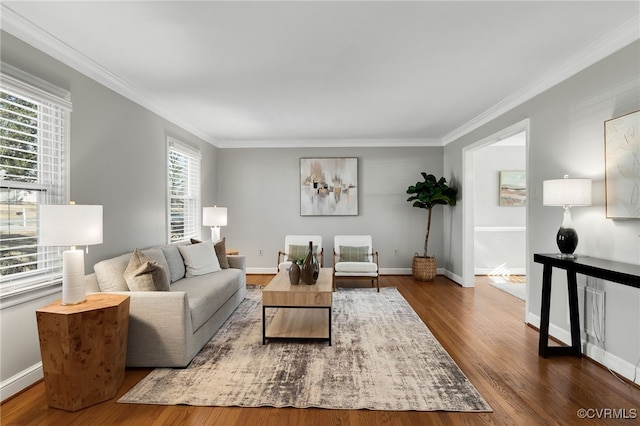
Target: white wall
x=566, y=137
x=260, y=188
x=500, y=238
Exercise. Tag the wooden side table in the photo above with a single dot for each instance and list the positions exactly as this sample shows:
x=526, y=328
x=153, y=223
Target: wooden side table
x=231, y=252
x=83, y=349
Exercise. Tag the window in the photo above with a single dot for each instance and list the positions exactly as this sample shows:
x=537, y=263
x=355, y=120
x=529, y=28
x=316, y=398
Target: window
x=184, y=191
x=34, y=127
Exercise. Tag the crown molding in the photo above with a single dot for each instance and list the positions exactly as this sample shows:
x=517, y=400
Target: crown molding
x=330, y=143
x=35, y=36
x=19, y=27
x=627, y=33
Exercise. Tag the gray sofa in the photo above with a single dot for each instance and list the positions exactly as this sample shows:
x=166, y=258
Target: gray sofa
x=168, y=328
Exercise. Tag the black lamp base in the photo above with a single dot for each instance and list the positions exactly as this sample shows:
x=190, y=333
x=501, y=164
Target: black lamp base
x=567, y=240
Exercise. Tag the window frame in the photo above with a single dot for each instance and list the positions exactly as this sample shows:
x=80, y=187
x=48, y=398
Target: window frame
x=40, y=92
x=194, y=178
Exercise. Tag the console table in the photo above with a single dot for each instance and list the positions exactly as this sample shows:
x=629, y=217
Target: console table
x=622, y=273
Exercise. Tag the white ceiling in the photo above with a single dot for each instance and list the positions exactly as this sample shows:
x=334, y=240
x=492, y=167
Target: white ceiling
x=302, y=73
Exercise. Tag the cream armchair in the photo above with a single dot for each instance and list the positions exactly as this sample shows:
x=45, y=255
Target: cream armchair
x=298, y=246
x=355, y=259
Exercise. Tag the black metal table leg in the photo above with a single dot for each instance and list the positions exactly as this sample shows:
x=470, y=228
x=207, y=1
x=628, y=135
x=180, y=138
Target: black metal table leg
x=574, y=313
x=543, y=344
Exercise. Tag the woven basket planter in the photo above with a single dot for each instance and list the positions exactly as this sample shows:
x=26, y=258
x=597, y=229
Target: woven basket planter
x=423, y=268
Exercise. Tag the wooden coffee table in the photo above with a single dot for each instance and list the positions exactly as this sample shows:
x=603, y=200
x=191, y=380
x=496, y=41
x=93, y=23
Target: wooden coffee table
x=304, y=311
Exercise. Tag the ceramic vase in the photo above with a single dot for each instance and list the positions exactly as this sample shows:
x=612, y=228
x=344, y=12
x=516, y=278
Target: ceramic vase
x=310, y=268
x=294, y=273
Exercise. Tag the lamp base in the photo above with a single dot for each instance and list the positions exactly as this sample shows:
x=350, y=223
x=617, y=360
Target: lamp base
x=567, y=240
x=73, y=291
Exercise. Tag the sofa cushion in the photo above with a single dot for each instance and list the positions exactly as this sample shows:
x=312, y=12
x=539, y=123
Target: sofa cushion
x=144, y=274
x=207, y=293
x=174, y=261
x=200, y=259
x=110, y=273
x=356, y=267
x=354, y=254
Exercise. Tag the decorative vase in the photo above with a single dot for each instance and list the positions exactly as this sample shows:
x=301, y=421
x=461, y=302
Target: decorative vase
x=294, y=273
x=310, y=268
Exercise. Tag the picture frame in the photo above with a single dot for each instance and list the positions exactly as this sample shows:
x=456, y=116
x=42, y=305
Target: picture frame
x=513, y=188
x=622, y=166
x=329, y=186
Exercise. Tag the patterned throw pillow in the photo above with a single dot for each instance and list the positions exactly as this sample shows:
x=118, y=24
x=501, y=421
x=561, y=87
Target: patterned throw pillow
x=297, y=252
x=354, y=254
x=144, y=274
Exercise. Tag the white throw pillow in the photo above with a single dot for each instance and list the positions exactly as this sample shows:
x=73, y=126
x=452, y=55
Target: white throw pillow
x=200, y=258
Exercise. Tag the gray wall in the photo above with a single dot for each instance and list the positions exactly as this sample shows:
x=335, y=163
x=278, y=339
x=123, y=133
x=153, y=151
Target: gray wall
x=566, y=137
x=260, y=187
x=117, y=159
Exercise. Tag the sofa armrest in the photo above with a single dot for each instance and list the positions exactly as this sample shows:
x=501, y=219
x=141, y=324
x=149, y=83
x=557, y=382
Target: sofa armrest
x=238, y=261
x=153, y=339
x=91, y=284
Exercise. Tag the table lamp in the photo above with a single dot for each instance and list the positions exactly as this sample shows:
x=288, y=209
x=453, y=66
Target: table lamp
x=215, y=217
x=71, y=225
x=566, y=193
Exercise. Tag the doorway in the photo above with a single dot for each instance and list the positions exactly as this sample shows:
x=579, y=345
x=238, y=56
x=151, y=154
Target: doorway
x=494, y=217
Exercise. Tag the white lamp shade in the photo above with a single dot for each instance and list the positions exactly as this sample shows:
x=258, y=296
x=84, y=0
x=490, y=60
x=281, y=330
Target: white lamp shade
x=214, y=216
x=566, y=192
x=70, y=225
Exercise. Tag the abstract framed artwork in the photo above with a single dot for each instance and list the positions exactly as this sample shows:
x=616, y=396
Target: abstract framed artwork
x=513, y=188
x=329, y=186
x=622, y=165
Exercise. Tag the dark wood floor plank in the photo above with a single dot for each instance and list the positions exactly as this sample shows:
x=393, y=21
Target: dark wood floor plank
x=483, y=330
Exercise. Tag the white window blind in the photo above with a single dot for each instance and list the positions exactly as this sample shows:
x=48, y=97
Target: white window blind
x=184, y=191
x=34, y=127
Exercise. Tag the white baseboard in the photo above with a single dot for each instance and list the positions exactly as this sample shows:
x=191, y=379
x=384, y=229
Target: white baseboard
x=395, y=271
x=20, y=381
x=383, y=271
x=453, y=277
x=599, y=355
x=259, y=271
x=620, y=366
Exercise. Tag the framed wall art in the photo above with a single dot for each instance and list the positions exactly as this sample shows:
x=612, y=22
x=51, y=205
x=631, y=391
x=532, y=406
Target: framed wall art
x=622, y=160
x=513, y=188
x=329, y=186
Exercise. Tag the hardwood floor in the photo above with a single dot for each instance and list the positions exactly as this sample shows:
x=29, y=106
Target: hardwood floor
x=483, y=330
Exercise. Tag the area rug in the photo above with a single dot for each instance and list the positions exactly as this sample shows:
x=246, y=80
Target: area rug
x=518, y=290
x=382, y=357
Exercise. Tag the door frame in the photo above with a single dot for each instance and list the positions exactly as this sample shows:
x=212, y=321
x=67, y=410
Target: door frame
x=468, y=196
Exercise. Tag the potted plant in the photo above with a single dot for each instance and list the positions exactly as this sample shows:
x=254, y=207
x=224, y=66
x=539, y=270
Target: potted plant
x=427, y=195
